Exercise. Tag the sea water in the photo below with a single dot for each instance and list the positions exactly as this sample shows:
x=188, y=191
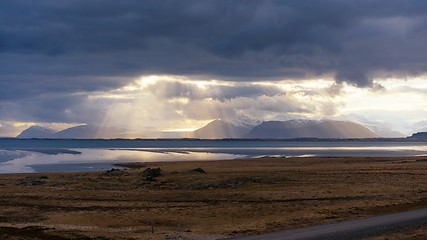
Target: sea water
x=53, y=155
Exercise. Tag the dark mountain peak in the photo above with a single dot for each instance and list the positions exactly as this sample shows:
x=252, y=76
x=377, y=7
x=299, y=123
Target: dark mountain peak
x=419, y=135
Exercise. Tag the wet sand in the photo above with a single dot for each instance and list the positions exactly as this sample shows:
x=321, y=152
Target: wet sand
x=202, y=200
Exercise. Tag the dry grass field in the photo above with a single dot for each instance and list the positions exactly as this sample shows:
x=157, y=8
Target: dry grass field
x=208, y=200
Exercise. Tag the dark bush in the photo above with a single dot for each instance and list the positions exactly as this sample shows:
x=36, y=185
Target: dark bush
x=151, y=173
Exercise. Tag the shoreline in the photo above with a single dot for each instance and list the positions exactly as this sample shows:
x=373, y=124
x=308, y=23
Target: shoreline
x=422, y=158
x=220, y=198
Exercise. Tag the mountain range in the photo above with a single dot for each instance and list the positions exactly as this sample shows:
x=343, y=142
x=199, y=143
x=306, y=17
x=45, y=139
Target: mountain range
x=219, y=129
x=419, y=136
x=77, y=132
x=37, y=132
x=286, y=129
x=383, y=130
x=310, y=129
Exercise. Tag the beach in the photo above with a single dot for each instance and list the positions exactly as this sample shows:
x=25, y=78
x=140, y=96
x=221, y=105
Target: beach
x=211, y=199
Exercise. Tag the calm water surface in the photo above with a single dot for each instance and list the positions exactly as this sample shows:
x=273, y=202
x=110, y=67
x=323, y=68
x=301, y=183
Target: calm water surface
x=19, y=156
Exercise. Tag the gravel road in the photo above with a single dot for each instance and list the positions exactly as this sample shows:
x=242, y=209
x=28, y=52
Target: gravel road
x=352, y=229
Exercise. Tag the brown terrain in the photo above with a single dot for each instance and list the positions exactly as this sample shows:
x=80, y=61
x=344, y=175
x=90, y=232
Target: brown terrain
x=209, y=200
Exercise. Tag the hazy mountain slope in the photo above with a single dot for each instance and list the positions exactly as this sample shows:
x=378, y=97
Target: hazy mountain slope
x=383, y=130
x=78, y=132
x=419, y=127
x=37, y=132
x=310, y=129
x=218, y=129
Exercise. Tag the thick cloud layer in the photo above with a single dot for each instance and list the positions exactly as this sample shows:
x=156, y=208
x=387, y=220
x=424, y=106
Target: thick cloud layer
x=54, y=52
x=356, y=40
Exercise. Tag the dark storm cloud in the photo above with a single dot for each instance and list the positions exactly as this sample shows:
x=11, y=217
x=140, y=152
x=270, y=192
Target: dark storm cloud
x=66, y=47
x=54, y=108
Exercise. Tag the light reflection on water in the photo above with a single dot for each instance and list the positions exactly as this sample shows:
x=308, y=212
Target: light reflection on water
x=96, y=159
x=404, y=150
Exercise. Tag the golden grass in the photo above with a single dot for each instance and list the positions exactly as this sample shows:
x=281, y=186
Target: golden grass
x=234, y=197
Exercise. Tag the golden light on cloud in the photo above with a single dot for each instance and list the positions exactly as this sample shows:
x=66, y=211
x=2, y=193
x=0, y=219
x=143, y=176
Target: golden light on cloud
x=395, y=96
x=155, y=105
x=145, y=81
x=180, y=100
x=292, y=85
x=23, y=124
x=415, y=83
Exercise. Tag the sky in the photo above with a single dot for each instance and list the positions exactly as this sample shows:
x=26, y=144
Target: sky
x=150, y=67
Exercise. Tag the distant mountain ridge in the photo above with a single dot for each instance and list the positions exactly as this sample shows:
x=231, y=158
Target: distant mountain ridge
x=382, y=130
x=299, y=128
x=77, y=132
x=419, y=136
x=219, y=129
x=311, y=129
x=36, y=132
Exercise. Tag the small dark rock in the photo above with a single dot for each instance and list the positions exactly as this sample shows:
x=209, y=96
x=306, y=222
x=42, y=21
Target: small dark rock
x=113, y=170
x=36, y=182
x=199, y=170
x=151, y=173
x=149, y=178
